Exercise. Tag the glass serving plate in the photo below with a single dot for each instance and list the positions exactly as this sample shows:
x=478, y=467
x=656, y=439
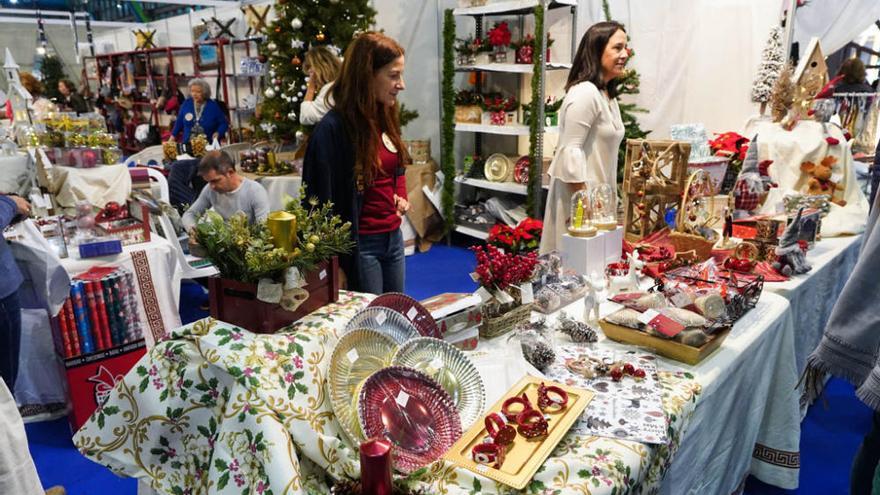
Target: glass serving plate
x=413, y=412
x=357, y=355
x=449, y=367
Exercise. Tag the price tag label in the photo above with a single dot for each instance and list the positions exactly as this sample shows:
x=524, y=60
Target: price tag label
x=526, y=295
x=380, y=318
x=503, y=297
x=323, y=274
x=412, y=313
x=402, y=398
x=475, y=277
x=485, y=295
x=352, y=355
x=661, y=323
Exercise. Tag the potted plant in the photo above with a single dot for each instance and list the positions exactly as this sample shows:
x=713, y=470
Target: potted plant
x=524, y=238
x=265, y=284
x=501, y=110
x=502, y=276
x=468, y=49
x=551, y=112
x=468, y=107
x=524, y=50
x=499, y=38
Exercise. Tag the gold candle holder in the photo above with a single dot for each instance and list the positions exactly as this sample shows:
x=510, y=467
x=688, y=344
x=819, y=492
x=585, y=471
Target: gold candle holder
x=282, y=226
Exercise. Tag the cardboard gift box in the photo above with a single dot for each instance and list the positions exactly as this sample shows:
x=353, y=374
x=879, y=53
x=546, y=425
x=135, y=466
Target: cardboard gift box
x=236, y=302
x=454, y=311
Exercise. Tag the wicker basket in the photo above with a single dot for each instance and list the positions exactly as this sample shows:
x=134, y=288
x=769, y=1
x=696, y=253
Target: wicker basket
x=499, y=325
x=685, y=242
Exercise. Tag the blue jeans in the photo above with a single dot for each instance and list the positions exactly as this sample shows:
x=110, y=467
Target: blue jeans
x=10, y=338
x=381, y=265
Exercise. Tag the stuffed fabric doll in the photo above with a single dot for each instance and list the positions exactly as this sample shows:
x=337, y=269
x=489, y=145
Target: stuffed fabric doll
x=790, y=258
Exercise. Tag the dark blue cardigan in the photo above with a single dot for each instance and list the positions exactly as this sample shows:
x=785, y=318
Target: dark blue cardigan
x=212, y=120
x=328, y=174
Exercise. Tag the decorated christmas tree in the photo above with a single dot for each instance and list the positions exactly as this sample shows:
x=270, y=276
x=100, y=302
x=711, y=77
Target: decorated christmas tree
x=772, y=61
x=299, y=25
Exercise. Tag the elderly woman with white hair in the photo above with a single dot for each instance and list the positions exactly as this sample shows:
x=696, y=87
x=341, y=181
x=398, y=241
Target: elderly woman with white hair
x=199, y=114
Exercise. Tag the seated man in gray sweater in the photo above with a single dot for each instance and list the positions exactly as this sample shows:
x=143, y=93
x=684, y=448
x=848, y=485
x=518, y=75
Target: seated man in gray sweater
x=226, y=192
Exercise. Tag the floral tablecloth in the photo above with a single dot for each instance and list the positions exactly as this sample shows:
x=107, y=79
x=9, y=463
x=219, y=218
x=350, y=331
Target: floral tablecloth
x=216, y=409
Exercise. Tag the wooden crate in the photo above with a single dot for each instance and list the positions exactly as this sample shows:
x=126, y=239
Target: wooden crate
x=664, y=347
x=236, y=302
x=644, y=215
x=655, y=167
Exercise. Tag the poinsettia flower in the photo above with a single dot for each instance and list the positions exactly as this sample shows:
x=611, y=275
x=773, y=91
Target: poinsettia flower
x=499, y=35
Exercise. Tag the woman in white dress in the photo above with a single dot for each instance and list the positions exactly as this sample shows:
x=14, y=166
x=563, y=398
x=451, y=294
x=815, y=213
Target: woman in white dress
x=322, y=65
x=590, y=126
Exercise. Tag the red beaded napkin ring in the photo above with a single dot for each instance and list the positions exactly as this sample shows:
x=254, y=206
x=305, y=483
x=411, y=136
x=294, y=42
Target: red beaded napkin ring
x=532, y=423
x=545, y=401
x=512, y=415
x=488, y=453
x=501, y=432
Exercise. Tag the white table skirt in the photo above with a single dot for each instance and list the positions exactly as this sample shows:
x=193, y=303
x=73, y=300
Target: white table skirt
x=813, y=294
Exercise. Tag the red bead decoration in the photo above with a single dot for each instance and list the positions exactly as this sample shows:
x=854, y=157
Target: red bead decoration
x=628, y=368
x=513, y=415
x=546, y=402
x=532, y=423
x=502, y=433
x=639, y=374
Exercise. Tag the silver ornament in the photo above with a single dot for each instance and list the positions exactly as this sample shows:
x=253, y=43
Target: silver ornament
x=299, y=134
x=278, y=89
x=294, y=99
x=270, y=93
x=291, y=116
x=296, y=23
x=303, y=87
x=272, y=46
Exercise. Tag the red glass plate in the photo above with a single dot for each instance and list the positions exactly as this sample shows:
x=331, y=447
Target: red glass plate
x=412, y=310
x=413, y=412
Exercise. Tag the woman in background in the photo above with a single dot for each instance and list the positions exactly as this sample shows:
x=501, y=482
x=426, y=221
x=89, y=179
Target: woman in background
x=200, y=114
x=71, y=101
x=322, y=66
x=355, y=158
x=41, y=106
x=590, y=125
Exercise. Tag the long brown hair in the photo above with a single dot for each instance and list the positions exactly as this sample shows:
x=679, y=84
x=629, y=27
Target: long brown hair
x=325, y=63
x=587, y=65
x=354, y=96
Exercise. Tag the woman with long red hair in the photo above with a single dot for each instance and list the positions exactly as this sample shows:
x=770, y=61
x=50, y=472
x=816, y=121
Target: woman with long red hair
x=355, y=159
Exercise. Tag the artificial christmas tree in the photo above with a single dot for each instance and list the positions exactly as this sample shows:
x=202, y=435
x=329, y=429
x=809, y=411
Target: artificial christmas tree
x=772, y=62
x=299, y=25
x=52, y=71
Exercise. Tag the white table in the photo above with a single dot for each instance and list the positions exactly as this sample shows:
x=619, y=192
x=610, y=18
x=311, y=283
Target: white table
x=39, y=388
x=278, y=187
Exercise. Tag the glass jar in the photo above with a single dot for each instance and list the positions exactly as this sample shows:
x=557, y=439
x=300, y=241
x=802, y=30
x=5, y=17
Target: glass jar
x=580, y=218
x=604, y=207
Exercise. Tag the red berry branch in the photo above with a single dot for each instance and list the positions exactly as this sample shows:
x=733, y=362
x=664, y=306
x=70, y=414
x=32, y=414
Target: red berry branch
x=497, y=269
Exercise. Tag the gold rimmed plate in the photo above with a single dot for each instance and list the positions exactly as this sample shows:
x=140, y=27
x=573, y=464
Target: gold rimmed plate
x=357, y=355
x=450, y=368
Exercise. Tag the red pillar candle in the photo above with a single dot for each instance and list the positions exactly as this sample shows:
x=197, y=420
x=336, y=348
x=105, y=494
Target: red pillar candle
x=376, y=467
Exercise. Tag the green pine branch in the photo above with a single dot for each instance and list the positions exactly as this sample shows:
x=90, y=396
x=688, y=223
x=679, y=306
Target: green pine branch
x=447, y=150
x=533, y=200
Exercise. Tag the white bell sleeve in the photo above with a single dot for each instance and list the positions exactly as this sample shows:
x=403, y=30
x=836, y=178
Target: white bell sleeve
x=580, y=113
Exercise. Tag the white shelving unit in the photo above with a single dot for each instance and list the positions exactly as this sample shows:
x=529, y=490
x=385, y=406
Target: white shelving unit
x=511, y=8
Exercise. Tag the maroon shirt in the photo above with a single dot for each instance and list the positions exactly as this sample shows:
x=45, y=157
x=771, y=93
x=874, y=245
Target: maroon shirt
x=379, y=214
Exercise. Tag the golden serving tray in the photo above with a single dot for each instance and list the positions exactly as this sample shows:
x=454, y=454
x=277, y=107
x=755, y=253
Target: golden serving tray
x=525, y=456
x=669, y=348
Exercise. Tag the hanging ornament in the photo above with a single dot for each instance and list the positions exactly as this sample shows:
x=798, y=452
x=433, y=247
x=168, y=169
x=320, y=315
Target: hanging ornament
x=303, y=87
x=291, y=116
x=299, y=135
x=320, y=36
x=296, y=23
x=277, y=115
x=300, y=94
x=277, y=29
x=272, y=46
x=276, y=81
x=277, y=90
x=270, y=93
x=295, y=99
x=295, y=61
x=297, y=44
x=271, y=72
x=262, y=58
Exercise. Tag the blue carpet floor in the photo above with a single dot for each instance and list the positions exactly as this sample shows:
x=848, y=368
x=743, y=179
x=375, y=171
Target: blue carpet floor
x=830, y=435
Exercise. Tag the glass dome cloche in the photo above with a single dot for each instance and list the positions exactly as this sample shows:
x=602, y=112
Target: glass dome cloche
x=581, y=219
x=604, y=207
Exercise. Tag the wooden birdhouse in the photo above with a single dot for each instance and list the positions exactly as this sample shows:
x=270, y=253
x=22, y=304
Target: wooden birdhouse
x=811, y=69
x=18, y=96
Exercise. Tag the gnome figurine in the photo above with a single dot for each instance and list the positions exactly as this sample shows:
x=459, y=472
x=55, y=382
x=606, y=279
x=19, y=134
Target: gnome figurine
x=750, y=188
x=790, y=258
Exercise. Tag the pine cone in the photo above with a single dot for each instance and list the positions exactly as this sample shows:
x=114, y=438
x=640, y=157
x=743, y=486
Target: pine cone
x=579, y=332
